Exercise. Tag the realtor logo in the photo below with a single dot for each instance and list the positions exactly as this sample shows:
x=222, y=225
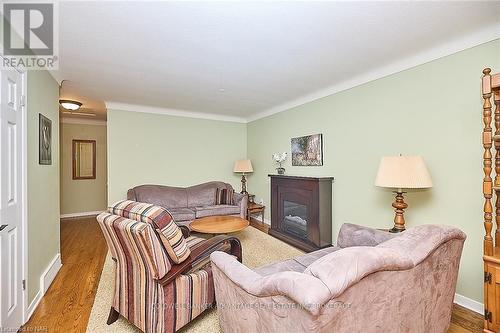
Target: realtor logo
x=29, y=38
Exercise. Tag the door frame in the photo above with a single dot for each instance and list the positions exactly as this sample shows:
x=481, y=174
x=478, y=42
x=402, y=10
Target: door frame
x=24, y=187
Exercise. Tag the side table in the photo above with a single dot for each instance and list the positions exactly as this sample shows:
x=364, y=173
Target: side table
x=255, y=208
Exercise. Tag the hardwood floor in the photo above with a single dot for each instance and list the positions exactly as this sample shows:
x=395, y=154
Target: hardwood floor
x=67, y=304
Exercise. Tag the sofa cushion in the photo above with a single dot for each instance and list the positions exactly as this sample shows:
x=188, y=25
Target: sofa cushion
x=170, y=234
x=311, y=257
x=289, y=265
x=224, y=196
x=182, y=214
x=356, y=235
x=216, y=210
x=164, y=196
x=296, y=264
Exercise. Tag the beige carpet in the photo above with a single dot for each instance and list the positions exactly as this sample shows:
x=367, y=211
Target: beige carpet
x=258, y=249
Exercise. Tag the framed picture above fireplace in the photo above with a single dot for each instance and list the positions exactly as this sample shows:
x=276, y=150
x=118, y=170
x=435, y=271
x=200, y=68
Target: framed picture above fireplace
x=307, y=150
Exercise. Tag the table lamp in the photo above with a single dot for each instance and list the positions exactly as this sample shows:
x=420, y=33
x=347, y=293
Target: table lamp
x=243, y=166
x=398, y=173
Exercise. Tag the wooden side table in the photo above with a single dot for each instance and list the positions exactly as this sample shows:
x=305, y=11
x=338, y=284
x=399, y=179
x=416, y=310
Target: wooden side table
x=255, y=208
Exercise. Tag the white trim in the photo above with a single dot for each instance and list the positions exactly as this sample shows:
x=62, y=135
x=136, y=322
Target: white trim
x=24, y=191
x=65, y=120
x=31, y=308
x=445, y=49
x=46, y=280
x=50, y=273
x=267, y=221
x=65, y=216
x=172, y=112
x=485, y=35
x=469, y=304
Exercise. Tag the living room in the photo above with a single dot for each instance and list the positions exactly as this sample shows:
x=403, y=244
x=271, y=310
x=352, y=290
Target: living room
x=357, y=105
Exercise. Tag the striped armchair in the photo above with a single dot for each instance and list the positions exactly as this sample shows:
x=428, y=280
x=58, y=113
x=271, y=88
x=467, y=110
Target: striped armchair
x=163, y=277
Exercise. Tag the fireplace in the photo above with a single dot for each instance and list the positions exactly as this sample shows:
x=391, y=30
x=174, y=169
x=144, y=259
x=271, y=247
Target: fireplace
x=301, y=211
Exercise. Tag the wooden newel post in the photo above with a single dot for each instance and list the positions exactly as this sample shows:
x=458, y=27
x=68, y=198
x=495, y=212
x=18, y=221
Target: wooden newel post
x=487, y=163
x=496, y=187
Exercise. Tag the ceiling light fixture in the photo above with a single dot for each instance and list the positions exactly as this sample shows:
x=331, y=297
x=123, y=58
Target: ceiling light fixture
x=69, y=104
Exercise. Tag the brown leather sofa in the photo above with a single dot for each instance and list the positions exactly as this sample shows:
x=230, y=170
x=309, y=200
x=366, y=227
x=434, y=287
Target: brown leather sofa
x=189, y=203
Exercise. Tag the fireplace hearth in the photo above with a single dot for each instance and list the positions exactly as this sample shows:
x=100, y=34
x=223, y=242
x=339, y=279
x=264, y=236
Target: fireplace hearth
x=301, y=211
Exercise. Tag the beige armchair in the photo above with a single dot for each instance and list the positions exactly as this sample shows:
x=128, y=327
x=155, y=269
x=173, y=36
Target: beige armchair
x=406, y=283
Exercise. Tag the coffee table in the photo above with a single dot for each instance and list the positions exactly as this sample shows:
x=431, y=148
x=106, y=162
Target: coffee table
x=218, y=224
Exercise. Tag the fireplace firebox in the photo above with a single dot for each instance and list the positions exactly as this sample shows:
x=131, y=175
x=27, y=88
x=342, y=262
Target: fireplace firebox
x=301, y=211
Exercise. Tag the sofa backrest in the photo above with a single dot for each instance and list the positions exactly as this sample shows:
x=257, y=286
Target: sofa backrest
x=164, y=196
x=177, y=197
x=204, y=194
x=135, y=246
x=345, y=267
x=358, y=235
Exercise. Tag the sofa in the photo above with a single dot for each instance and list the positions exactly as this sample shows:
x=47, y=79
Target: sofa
x=189, y=203
x=372, y=281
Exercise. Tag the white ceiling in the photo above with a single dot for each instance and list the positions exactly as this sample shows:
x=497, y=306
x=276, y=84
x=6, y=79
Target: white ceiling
x=248, y=59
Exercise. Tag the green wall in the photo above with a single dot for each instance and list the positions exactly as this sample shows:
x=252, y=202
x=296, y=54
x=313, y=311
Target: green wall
x=83, y=195
x=433, y=110
x=145, y=148
x=43, y=180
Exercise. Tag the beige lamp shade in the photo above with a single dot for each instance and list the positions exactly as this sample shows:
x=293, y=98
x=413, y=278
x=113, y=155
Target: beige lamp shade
x=243, y=166
x=403, y=172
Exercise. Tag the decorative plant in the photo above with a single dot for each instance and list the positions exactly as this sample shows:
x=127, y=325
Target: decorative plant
x=280, y=158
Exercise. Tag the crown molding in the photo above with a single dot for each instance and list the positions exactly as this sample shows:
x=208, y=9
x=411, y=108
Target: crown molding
x=466, y=42
x=79, y=121
x=171, y=112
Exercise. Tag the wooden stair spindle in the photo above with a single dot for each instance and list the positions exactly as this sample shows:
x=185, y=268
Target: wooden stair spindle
x=497, y=166
x=487, y=163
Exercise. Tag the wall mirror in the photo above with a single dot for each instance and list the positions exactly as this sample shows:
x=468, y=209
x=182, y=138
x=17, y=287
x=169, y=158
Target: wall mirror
x=84, y=159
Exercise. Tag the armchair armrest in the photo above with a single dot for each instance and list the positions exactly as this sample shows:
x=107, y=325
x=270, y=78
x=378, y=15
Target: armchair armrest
x=198, y=252
x=308, y=291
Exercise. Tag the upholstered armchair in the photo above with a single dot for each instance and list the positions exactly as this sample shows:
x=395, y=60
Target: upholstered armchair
x=163, y=276
x=372, y=282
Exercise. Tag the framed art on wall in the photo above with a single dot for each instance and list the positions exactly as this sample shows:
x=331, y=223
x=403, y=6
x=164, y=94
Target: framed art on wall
x=45, y=140
x=307, y=150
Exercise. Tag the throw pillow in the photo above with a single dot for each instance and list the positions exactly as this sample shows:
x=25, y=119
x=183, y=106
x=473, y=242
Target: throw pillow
x=224, y=196
x=161, y=220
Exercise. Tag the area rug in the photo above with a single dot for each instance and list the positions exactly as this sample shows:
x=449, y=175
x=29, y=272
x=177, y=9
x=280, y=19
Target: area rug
x=258, y=249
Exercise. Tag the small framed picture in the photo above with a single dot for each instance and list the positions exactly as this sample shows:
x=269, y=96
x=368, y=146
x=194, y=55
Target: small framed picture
x=45, y=140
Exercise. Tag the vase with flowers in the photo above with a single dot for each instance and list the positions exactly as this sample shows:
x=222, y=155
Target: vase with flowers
x=280, y=158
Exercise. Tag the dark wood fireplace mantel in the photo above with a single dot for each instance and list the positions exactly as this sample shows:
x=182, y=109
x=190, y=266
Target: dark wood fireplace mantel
x=301, y=211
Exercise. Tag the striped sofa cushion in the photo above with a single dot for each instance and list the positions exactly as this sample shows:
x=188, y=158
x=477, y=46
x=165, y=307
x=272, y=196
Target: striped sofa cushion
x=224, y=196
x=170, y=234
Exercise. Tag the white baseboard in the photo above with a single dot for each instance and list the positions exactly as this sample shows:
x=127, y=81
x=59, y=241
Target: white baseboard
x=65, y=216
x=45, y=281
x=267, y=221
x=31, y=308
x=469, y=304
x=50, y=273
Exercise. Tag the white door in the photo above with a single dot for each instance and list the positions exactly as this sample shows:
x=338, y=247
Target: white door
x=11, y=236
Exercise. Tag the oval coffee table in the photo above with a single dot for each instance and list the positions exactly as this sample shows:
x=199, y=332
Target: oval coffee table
x=218, y=224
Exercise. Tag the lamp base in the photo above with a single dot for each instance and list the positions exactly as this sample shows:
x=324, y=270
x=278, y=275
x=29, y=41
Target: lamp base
x=399, y=206
x=243, y=184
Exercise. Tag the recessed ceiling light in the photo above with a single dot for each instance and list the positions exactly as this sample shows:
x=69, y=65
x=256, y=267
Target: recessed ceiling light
x=69, y=104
